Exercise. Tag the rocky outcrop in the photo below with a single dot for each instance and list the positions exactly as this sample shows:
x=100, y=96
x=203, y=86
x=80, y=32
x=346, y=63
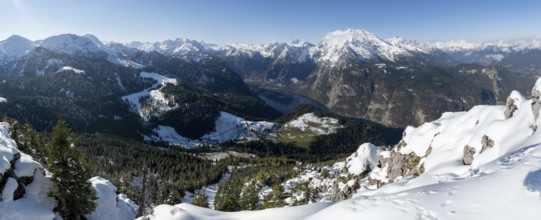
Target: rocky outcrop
x=511, y=106
x=18, y=183
x=17, y=170
x=487, y=143
x=403, y=165
x=468, y=155
x=393, y=94
x=536, y=102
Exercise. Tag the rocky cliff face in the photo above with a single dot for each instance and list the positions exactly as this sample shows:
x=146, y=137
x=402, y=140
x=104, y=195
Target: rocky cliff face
x=397, y=95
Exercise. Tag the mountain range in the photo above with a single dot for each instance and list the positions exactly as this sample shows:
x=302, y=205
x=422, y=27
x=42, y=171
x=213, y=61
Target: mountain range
x=395, y=81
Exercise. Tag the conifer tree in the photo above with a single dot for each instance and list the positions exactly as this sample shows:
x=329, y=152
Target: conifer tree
x=250, y=197
x=200, y=199
x=71, y=172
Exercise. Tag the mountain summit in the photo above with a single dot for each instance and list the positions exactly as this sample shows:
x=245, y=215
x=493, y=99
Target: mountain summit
x=15, y=46
x=359, y=43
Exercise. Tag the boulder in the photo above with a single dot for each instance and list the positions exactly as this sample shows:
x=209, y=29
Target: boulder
x=513, y=102
x=468, y=155
x=536, y=93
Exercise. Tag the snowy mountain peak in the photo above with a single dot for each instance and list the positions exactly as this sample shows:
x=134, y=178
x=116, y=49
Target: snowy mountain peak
x=15, y=46
x=178, y=46
x=71, y=43
x=17, y=38
x=503, y=46
x=350, y=36
x=359, y=43
x=412, y=45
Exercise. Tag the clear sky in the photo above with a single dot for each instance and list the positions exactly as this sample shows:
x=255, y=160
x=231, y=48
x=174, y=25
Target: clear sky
x=263, y=21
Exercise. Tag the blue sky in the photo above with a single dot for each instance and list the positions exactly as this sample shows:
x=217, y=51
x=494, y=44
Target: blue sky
x=262, y=21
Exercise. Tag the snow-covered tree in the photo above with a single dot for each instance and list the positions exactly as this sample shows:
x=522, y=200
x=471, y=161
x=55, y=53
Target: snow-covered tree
x=71, y=174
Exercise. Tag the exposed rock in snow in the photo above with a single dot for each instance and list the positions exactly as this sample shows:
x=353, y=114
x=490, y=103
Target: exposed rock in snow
x=468, y=155
x=24, y=195
x=536, y=102
x=487, y=143
x=513, y=101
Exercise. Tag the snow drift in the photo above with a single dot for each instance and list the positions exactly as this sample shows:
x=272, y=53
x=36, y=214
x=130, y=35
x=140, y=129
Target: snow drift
x=110, y=205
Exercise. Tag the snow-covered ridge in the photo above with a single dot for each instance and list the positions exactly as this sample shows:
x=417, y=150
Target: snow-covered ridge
x=504, y=46
x=362, y=44
x=70, y=43
x=359, y=43
x=15, y=47
x=178, y=46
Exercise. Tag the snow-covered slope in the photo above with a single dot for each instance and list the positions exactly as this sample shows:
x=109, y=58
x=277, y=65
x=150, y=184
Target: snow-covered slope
x=480, y=164
x=15, y=47
x=228, y=127
x=157, y=102
x=71, y=44
x=187, y=211
x=110, y=205
x=89, y=44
